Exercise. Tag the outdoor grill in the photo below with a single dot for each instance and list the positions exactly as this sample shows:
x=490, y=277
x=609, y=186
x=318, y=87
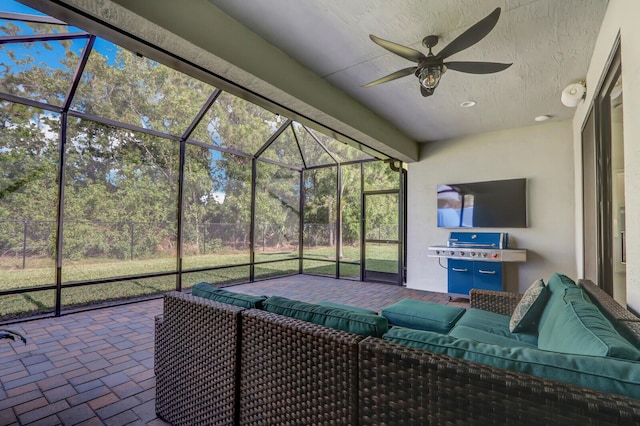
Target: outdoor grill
x=476, y=260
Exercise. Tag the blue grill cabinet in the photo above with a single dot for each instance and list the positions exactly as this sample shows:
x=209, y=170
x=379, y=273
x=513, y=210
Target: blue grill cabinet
x=463, y=275
x=476, y=260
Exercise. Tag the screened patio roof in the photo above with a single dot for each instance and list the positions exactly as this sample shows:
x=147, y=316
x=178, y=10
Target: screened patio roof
x=64, y=69
x=134, y=175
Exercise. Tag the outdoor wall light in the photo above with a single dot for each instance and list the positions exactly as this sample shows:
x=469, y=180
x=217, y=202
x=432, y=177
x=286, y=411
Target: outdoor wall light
x=573, y=94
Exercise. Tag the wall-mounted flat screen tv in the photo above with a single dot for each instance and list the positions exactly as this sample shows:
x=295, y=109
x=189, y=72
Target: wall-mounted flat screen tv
x=491, y=204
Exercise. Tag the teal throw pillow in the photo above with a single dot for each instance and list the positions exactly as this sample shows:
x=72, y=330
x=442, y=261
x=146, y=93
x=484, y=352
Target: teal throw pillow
x=528, y=311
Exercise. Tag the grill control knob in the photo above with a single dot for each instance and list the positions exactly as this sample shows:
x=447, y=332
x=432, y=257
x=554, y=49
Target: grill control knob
x=461, y=253
x=473, y=253
x=484, y=254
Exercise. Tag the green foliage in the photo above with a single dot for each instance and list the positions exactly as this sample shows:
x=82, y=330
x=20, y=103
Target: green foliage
x=121, y=187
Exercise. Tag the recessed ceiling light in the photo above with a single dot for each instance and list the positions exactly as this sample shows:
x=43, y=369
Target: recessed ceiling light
x=542, y=118
x=467, y=104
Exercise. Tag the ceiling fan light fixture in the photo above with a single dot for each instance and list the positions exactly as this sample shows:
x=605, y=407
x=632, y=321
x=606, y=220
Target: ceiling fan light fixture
x=429, y=68
x=429, y=76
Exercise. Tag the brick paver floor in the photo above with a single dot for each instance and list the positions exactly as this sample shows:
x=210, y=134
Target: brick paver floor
x=96, y=367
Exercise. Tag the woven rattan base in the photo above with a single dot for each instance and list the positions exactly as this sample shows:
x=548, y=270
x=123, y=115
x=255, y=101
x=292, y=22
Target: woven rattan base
x=400, y=385
x=295, y=372
x=192, y=386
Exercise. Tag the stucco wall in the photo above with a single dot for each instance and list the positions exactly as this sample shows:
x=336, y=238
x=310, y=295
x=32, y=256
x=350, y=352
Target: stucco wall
x=541, y=153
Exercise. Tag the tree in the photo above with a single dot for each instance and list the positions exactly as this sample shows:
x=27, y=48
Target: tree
x=121, y=185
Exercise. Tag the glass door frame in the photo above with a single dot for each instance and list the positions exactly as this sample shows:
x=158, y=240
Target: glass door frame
x=604, y=174
x=400, y=275
x=597, y=178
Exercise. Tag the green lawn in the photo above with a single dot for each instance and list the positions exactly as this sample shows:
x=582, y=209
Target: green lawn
x=319, y=260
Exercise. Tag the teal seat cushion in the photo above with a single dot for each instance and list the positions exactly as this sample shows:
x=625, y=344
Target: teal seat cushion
x=347, y=307
x=582, y=329
x=209, y=291
x=465, y=332
x=422, y=315
x=337, y=318
x=495, y=324
x=600, y=373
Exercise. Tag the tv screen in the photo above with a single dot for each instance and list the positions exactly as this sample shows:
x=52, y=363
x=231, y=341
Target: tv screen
x=491, y=204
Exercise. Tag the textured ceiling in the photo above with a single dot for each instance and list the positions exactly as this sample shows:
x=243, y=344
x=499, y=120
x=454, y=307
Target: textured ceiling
x=549, y=42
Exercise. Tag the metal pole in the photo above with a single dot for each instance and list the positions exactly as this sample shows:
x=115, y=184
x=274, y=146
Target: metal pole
x=400, y=234
x=252, y=229
x=338, y=218
x=204, y=238
x=302, y=195
x=24, y=244
x=60, y=214
x=131, y=246
x=362, y=224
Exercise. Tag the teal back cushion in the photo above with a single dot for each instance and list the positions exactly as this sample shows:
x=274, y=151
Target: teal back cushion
x=582, y=329
x=347, y=307
x=211, y=292
x=599, y=373
x=339, y=319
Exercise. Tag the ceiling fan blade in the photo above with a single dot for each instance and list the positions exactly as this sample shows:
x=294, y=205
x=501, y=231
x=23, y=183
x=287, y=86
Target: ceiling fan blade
x=425, y=92
x=477, y=67
x=398, y=74
x=398, y=49
x=473, y=35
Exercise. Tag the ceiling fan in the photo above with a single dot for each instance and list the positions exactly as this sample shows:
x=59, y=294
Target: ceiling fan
x=431, y=67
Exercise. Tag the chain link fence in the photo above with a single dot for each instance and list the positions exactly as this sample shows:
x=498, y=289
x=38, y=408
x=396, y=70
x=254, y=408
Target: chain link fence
x=382, y=232
x=319, y=235
x=25, y=241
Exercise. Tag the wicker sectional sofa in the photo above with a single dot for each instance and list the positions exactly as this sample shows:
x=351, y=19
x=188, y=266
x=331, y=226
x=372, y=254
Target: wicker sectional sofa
x=217, y=363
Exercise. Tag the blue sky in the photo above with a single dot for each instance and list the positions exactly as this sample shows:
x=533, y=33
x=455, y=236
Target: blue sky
x=15, y=7
x=107, y=49
x=51, y=56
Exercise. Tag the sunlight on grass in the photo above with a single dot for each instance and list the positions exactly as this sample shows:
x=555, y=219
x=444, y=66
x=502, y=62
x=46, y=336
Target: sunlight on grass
x=16, y=305
x=79, y=296
x=318, y=260
x=235, y=275
x=319, y=268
